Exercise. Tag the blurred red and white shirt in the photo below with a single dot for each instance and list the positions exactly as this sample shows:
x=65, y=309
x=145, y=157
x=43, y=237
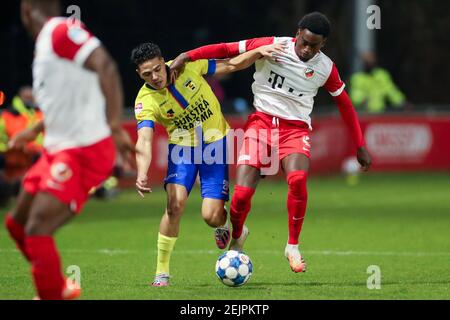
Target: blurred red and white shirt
x=68, y=94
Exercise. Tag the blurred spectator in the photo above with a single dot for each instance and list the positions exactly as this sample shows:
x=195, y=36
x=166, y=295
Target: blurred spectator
x=373, y=89
x=21, y=114
x=3, y=140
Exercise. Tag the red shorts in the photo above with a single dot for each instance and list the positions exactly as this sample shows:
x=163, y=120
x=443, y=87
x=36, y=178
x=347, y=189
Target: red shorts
x=268, y=137
x=70, y=174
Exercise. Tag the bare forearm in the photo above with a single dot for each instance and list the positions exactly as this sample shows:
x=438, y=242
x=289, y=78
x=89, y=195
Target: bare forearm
x=33, y=132
x=38, y=127
x=245, y=60
x=240, y=62
x=20, y=140
x=143, y=157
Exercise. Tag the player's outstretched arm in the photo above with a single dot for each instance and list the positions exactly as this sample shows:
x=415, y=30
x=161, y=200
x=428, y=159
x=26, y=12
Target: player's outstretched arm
x=144, y=159
x=216, y=51
x=101, y=62
x=247, y=59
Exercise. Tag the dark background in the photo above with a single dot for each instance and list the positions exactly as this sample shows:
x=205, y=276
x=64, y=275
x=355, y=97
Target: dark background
x=414, y=42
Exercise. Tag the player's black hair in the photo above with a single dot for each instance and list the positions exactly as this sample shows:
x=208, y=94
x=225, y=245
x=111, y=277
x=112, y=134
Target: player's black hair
x=145, y=52
x=317, y=23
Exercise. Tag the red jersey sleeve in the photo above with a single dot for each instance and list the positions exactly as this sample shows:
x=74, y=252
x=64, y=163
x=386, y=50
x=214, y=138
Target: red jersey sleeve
x=336, y=88
x=73, y=42
x=228, y=50
x=334, y=84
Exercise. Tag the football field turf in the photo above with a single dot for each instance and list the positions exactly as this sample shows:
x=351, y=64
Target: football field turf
x=398, y=222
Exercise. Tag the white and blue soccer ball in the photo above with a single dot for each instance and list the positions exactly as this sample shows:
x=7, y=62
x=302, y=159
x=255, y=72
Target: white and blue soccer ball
x=234, y=268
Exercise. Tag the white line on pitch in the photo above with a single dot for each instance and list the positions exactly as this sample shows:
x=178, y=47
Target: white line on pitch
x=112, y=252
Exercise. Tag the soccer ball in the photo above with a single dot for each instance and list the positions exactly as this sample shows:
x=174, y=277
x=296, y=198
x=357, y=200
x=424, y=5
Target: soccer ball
x=234, y=268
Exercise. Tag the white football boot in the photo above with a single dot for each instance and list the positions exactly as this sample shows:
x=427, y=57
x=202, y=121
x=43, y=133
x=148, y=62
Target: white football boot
x=295, y=259
x=238, y=244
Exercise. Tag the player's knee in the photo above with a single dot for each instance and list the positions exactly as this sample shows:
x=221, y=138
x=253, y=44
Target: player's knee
x=214, y=217
x=175, y=208
x=297, y=184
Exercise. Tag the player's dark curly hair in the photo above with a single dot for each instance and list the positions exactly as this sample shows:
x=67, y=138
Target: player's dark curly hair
x=317, y=23
x=145, y=52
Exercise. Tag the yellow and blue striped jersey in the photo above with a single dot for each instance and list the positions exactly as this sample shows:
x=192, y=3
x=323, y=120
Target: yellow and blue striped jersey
x=184, y=107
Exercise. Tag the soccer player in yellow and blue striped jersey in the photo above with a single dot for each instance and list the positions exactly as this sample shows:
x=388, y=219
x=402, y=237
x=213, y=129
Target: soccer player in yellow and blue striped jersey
x=192, y=116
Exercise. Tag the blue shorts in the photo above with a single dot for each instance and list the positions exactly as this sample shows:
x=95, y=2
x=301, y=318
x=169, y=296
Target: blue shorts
x=208, y=160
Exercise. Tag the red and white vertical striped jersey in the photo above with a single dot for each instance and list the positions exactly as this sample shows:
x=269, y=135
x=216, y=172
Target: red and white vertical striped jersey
x=68, y=94
x=286, y=87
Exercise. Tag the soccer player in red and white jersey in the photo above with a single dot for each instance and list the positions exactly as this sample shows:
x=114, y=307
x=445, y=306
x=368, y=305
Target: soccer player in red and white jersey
x=78, y=88
x=284, y=92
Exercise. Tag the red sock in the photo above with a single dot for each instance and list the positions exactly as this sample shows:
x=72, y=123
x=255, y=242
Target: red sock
x=296, y=203
x=240, y=207
x=46, y=267
x=17, y=233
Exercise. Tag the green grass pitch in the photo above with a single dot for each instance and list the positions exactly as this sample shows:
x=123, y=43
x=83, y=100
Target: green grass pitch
x=398, y=222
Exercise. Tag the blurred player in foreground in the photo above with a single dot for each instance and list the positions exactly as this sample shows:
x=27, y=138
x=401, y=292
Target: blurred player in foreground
x=197, y=129
x=284, y=91
x=74, y=78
